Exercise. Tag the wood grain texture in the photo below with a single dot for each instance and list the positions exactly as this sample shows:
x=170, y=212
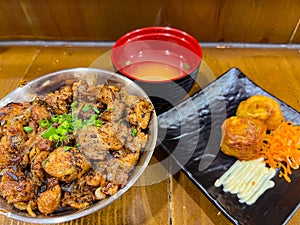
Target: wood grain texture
x=269, y=21
x=174, y=200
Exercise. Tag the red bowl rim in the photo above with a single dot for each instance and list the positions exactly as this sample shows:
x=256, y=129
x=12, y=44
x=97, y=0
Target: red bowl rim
x=135, y=35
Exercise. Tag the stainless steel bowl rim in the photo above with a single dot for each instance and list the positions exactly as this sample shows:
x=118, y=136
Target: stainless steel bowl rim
x=18, y=93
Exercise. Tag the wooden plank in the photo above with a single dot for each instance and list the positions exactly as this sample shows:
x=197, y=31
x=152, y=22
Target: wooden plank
x=14, y=64
x=266, y=21
x=277, y=71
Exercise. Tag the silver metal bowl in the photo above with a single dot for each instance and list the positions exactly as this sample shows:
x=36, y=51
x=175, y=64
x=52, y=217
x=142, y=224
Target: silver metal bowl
x=53, y=81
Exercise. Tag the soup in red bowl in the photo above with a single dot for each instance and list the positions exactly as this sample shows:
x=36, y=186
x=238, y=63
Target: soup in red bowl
x=164, y=61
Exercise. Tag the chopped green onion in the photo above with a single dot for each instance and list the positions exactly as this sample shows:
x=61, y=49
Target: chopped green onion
x=127, y=63
x=134, y=132
x=66, y=117
x=64, y=138
x=96, y=110
x=186, y=65
x=48, y=133
x=66, y=124
x=86, y=108
x=44, y=163
x=55, y=137
x=44, y=123
x=91, y=120
x=54, y=119
x=67, y=148
x=70, y=128
x=77, y=124
x=61, y=130
x=108, y=110
x=74, y=104
x=28, y=129
x=98, y=123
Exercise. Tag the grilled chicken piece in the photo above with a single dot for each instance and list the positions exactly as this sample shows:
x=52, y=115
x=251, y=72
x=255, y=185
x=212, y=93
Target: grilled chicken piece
x=130, y=158
x=123, y=132
x=107, y=95
x=116, y=171
x=95, y=143
x=49, y=200
x=95, y=178
x=36, y=167
x=38, y=142
x=110, y=189
x=7, y=154
x=13, y=117
x=114, y=114
x=17, y=187
x=118, y=129
x=138, y=142
x=11, y=108
x=82, y=92
x=79, y=87
x=140, y=114
x=39, y=110
x=59, y=100
x=81, y=195
x=66, y=164
x=129, y=100
x=7, y=113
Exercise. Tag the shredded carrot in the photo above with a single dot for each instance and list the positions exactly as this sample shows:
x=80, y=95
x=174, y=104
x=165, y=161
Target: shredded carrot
x=281, y=149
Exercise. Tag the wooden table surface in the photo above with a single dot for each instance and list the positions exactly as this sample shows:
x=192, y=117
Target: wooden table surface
x=174, y=200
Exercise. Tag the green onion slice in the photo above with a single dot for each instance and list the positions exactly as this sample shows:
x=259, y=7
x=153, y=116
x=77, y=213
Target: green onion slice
x=86, y=108
x=28, y=129
x=134, y=132
x=74, y=104
x=44, y=123
x=48, y=133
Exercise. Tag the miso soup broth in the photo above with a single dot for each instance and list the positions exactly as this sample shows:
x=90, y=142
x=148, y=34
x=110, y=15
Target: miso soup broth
x=153, y=71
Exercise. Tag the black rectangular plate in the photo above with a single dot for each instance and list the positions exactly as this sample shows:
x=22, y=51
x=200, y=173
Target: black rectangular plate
x=191, y=133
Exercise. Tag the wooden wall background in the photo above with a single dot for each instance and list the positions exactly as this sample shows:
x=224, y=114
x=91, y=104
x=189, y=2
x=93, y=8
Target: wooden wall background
x=258, y=21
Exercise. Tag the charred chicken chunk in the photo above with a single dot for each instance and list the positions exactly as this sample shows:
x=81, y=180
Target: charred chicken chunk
x=37, y=171
x=8, y=155
x=83, y=92
x=8, y=113
x=17, y=187
x=60, y=100
x=140, y=114
x=37, y=142
x=115, y=170
x=49, y=200
x=39, y=110
x=95, y=178
x=95, y=143
x=66, y=164
x=108, y=94
x=80, y=196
